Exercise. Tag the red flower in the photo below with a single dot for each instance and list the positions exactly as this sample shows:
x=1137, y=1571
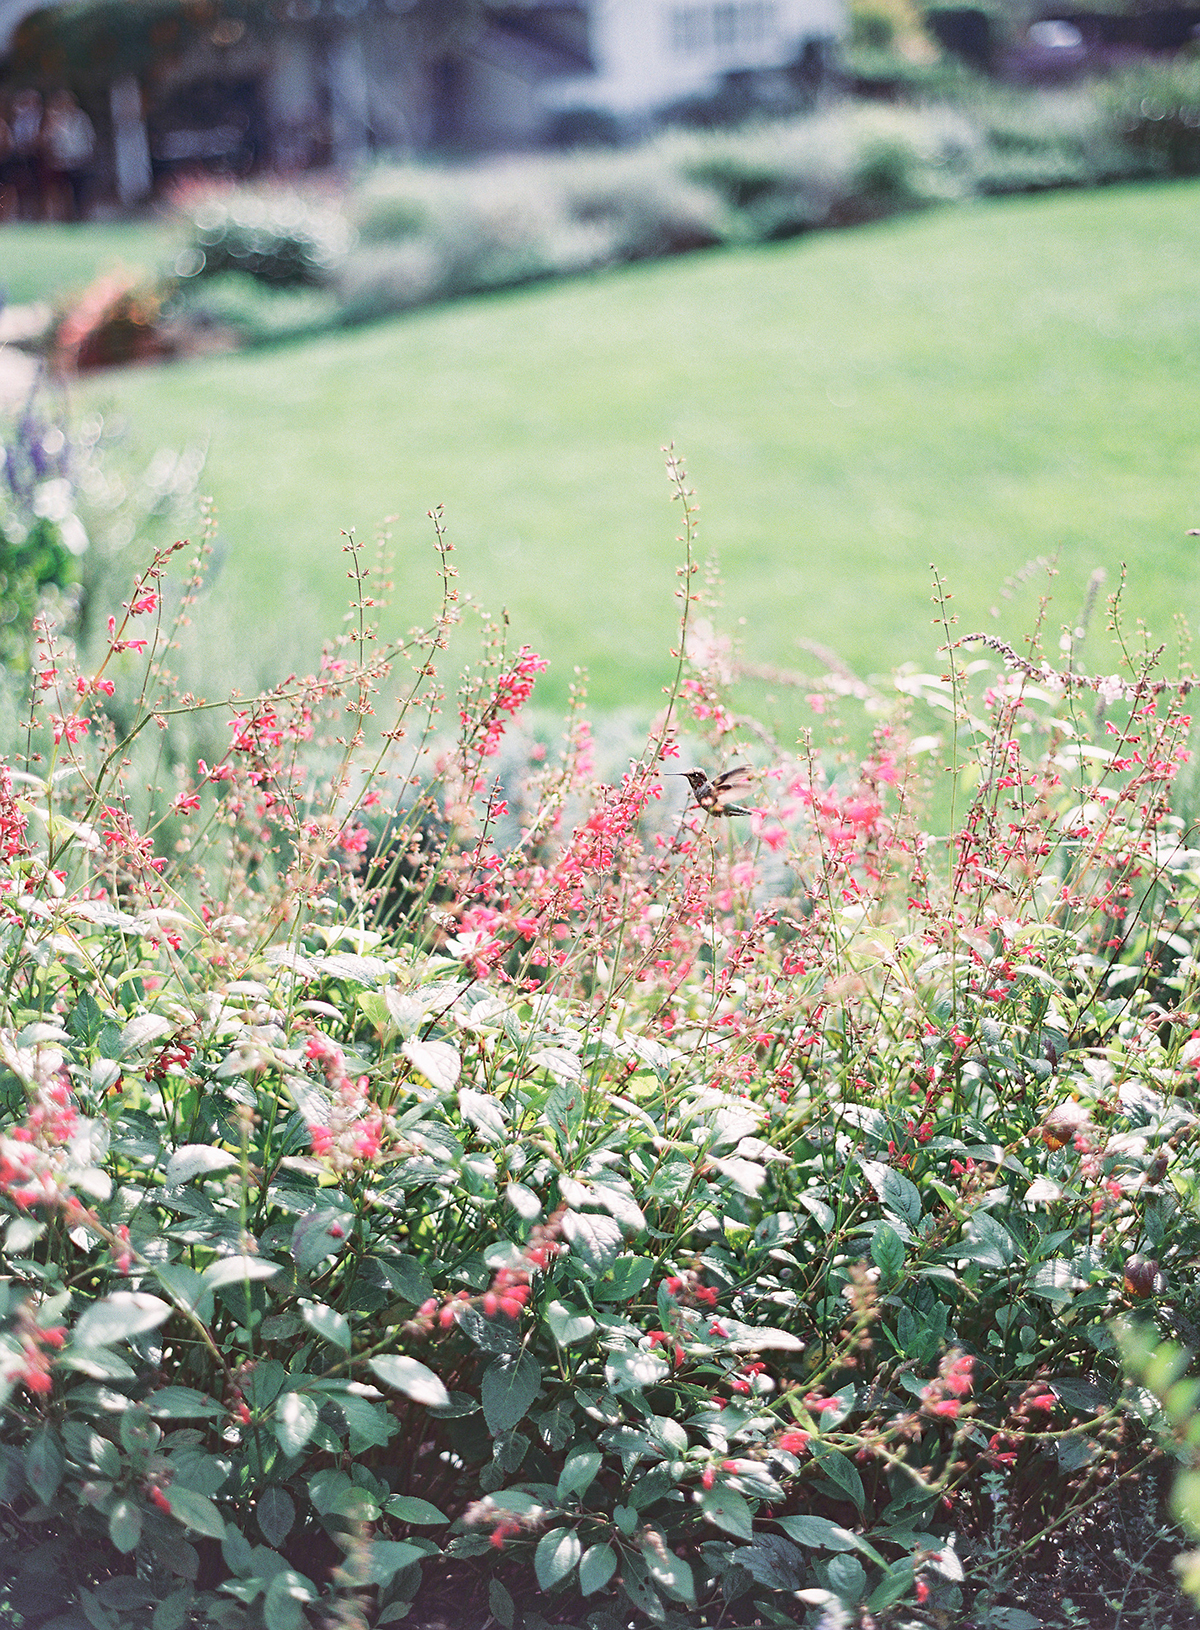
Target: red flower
x=794, y=1443
x=71, y=728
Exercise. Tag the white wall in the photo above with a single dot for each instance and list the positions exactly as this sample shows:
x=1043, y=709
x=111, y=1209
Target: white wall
x=650, y=52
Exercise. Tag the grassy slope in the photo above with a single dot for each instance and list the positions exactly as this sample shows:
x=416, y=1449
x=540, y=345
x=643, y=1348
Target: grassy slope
x=974, y=387
x=41, y=262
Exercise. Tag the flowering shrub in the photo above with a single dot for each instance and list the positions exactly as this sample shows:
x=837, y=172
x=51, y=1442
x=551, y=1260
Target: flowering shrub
x=439, y=1179
x=115, y=320
x=70, y=511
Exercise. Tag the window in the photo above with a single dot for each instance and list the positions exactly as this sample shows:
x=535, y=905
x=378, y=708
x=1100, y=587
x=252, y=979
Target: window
x=726, y=28
x=688, y=31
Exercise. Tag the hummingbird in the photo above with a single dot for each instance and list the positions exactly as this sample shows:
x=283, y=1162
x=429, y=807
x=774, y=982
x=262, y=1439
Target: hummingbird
x=713, y=796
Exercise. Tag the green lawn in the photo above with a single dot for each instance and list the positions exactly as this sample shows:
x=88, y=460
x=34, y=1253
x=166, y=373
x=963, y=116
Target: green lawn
x=45, y=262
x=974, y=387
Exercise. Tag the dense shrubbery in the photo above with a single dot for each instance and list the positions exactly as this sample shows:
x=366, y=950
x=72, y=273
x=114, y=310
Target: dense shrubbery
x=70, y=512
x=438, y=1175
x=411, y=234
x=1156, y=110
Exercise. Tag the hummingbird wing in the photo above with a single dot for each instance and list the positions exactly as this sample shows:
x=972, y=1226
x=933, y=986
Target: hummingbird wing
x=727, y=786
x=732, y=781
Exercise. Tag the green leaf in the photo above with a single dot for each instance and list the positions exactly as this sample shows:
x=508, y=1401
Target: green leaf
x=887, y=1251
x=824, y=1214
x=840, y=1470
x=898, y=1195
x=195, y=1469
x=407, y=1508
x=85, y=1018
x=138, y=1433
x=556, y=1556
x=596, y=1567
x=774, y=1562
x=44, y=1463
x=101, y=1363
x=282, y=1602
x=358, y=1504
x=668, y=1571
x=895, y=1584
x=987, y=1241
x=320, y=1234
x=847, y=1577
x=123, y=1314
x=595, y=1240
x=510, y=1385
x=629, y=1369
x=1185, y=1500
x=567, y=1324
x=637, y=1585
x=818, y=1533
x=388, y=1556
x=578, y=1472
x=172, y=1612
x=107, y=1457
x=503, y=1607
x=125, y=1525
x=21, y=1235
x=182, y=1404
x=413, y=1379
x=495, y=1335
x=437, y=1061
x=327, y=1323
x=186, y=1288
x=295, y=1420
x=97, y=1615
x=407, y=1277
x=485, y=1114
x=234, y=1270
x=727, y=1509
x=325, y=1489
x=196, y=1160
x=276, y=1513
x=628, y=1275
x=195, y=1511
x=369, y=1422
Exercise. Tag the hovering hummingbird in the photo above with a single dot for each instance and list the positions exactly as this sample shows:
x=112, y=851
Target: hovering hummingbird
x=713, y=796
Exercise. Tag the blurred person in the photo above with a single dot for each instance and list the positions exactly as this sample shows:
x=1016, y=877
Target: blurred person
x=25, y=127
x=9, y=198
x=68, y=145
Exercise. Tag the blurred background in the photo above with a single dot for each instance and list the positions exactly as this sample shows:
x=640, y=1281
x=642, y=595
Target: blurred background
x=339, y=262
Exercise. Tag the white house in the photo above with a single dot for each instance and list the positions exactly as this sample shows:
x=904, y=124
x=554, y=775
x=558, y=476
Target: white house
x=651, y=55
x=241, y=86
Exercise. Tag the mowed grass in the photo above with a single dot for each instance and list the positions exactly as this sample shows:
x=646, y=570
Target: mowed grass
x=972, y=388
x=39, y=261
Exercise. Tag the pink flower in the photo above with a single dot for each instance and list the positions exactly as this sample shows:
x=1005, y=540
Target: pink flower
x=72, y=728
x=504, y=1530
x=513, y=690
x=354, y=840
x=795, y=1443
